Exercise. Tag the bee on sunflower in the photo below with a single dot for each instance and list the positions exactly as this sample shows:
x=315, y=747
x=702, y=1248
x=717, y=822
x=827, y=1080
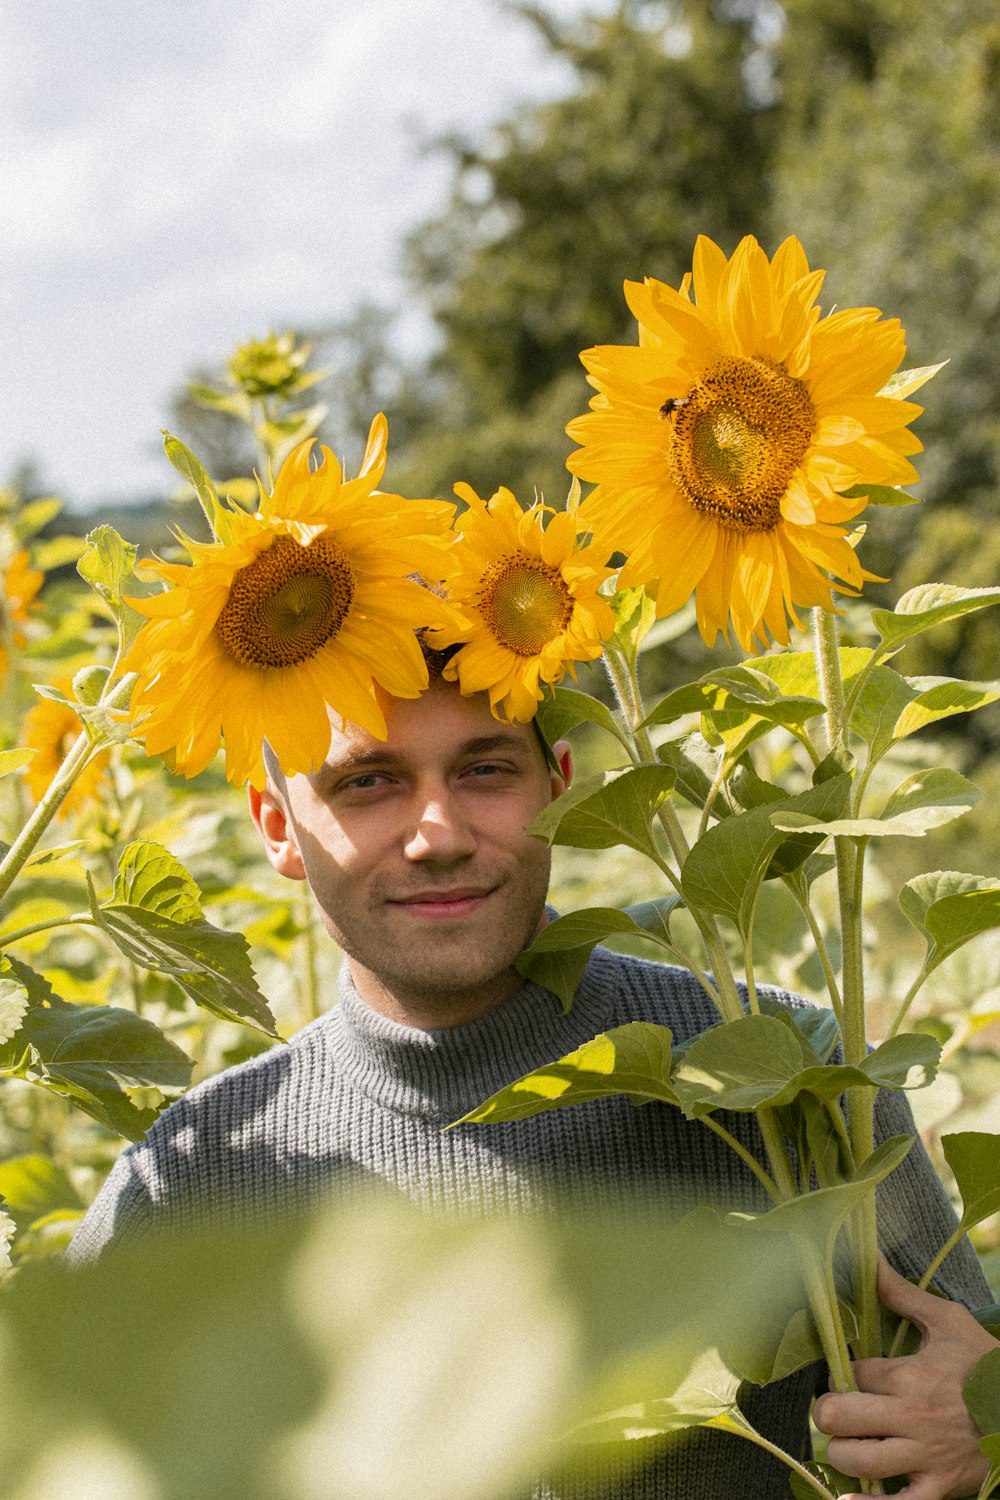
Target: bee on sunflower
x=726, y=447
x=526, y=601
x=302, y=608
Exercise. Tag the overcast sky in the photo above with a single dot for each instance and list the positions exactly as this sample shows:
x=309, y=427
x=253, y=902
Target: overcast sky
x=176, y=177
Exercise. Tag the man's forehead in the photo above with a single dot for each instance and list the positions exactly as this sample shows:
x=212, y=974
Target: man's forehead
x=440, y=722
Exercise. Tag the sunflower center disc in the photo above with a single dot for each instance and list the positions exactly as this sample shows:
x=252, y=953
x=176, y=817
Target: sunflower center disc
x=738, y=439
x=286, y=604
x=525, y=603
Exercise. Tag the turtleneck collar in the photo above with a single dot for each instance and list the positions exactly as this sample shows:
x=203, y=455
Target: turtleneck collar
x=444, y=1074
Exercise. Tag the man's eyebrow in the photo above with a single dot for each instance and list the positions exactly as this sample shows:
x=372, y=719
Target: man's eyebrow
x=382, y=755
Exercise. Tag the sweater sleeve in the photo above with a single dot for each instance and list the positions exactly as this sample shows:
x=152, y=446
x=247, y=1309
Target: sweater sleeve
x=916, y=1216
x=122, y=1211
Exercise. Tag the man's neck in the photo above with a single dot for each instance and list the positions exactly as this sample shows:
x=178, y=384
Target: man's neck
x=435, y=1011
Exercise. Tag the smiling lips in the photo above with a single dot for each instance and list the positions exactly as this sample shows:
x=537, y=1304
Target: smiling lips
x=437, y=905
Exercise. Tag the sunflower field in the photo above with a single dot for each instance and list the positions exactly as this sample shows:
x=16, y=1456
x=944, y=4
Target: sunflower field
x=146, y=942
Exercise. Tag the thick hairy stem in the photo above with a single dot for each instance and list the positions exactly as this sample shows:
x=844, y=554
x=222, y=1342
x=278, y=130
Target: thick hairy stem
x=831, y=684
x=27, y=840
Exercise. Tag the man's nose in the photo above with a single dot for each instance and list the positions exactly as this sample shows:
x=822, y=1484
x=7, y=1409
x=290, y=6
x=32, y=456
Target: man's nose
x=439, y=830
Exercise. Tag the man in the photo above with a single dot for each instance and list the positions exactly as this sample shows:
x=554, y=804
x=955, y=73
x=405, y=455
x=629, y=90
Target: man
x=416, y=853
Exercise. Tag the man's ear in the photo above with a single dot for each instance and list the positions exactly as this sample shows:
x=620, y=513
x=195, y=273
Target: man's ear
x=562, y=753
x=277, y=832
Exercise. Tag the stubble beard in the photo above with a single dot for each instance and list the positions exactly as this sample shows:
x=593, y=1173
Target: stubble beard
x=437, y=968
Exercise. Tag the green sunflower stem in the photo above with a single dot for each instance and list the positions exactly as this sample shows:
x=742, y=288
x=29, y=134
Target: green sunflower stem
x=77, y=758
x=831, y=683
x=822, y=1294
x=849, y=855
x=59, y=788
x=625, y=683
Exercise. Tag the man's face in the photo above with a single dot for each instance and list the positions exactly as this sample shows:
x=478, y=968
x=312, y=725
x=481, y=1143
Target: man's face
x=415, y=851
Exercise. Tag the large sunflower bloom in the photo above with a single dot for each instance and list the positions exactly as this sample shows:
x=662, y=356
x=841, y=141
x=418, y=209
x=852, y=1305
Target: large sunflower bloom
x=19, y=583
x=525, y=599
x=51, y=729
x=722, y=445
x=304, y=605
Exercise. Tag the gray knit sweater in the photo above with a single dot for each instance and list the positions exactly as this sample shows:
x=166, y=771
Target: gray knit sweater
x=356, y=1097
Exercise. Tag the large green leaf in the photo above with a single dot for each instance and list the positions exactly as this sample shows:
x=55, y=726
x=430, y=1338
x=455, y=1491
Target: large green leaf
x=562, y=709
x=795, y=671
x=737, y=706
x=210, y=965
x=560, y=953
x=149, y=876
x=941, y=698
x=633, y=1059
x=883, y=699
x=757, y=1062
x=924, y=801
x=928, y=605
x=816, y=1217
x=950, y=908
x=91, y=1054
x=615, y=807
x=974, y=1157
x=725, y=868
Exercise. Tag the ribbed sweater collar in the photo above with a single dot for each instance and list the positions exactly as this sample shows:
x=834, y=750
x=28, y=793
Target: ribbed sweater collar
x=444, y=1074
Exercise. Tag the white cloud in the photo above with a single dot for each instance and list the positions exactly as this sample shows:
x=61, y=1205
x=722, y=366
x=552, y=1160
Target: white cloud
x=175, y=178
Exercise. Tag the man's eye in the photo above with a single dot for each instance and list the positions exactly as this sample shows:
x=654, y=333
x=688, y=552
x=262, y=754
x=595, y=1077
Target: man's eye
x=364, y=783
x=486, y=768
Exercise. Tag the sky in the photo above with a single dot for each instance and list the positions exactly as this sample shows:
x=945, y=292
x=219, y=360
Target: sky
x=176, y=178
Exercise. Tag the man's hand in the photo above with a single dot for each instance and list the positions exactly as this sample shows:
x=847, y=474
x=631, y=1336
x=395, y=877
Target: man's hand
x=908, y=1415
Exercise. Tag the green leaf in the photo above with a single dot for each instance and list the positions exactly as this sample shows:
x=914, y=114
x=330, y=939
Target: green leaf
x=615, y=807
x=108, y=565
x=197, y=476
x=757, y=1061
x=90, y=1054
x=562, y=709
x=737, y=705
x=559, y=955
x=34, y=1187
x=982, y=1395
x=13, y=760
x=210, y=965
x=950, y=908
x=707, y=1391
x=149, y=876
x=925, y=800
x=928, y=605
x=693, y=778
x=725, y=868
x=34, y=516
x=815, y=1023
x=974, y=1157
x=796, y=675
x=941, y=699
x=881, y=703
x=13, y=1000
x=633, y=1059
x=905, y=382
x=880, y=494
x=817, y=1216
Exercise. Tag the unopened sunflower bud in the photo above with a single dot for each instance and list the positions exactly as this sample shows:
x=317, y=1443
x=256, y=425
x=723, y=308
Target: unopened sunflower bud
x=89, y=684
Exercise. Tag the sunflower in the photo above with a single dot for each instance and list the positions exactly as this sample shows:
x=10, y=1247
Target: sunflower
x=525, y=599
x=19, y=583
x=721, y=446
x=305, y=605
x=51, y=728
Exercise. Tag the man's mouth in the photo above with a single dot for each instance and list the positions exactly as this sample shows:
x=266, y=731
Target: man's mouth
x=438, y=905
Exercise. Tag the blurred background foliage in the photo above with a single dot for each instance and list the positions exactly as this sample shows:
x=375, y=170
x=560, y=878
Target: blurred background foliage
x=869, y=128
